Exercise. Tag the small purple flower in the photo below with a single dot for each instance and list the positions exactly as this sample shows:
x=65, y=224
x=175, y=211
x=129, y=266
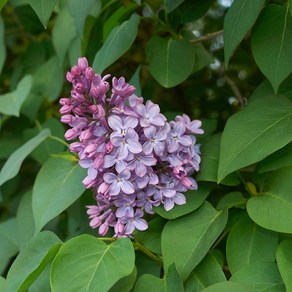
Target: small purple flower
x=135, y=222
x=120, y=126
x=178, y=137
x=150, y=115
x=119, y=183
x=140, y=162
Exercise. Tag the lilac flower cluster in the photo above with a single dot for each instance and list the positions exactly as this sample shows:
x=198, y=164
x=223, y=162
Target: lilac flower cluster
x=135, y=159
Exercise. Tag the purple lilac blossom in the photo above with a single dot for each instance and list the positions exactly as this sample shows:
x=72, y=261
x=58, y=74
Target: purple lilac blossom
x=135, y=159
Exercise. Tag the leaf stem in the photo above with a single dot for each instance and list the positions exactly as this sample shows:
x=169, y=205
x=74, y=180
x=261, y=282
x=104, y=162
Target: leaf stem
x=59, y=140
x=208, y=36
x=138, y=246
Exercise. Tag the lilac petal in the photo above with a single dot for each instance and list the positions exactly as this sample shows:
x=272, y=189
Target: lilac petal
x=179, y=199
x=130, y=227
x=140, y=169
x=116, y=139
x=159, y=120
x=122, y=152
x=148, y=160
x=114, y=189
x=115, y=122
x=150, y=132
x=127, y=187
x=109, y=161
x=134, y=147
x=120, y=166
x=142, y=182
x=85, y=163
x=153, y=179
x=168, y=193
x=158, y=148
x=168, y=204
x=92, y=173
x=185, y=140
x=179, y=128
x=141, y=109
x=140, y=224
x=172, y=146
x=131, y=135
x=130, y=122
x=125, y=174
x=152, y=109
x=147, y=147
x=109, y=177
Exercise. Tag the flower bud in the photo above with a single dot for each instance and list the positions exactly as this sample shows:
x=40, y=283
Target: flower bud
x=82, y=63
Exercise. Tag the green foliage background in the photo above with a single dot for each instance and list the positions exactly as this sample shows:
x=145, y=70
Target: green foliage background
x=228, y=63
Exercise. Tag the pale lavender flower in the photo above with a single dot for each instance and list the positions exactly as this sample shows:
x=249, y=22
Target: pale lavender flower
x=135, y=159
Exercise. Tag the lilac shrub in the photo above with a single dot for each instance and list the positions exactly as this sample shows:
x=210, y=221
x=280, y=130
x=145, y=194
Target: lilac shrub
x=135, y=159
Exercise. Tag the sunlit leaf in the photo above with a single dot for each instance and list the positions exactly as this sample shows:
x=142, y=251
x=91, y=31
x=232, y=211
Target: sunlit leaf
x=118, y=42
x=262, y=128
x=199, y=230
x=284, y=261
x=170, y=61
x=245, y=245
x=276, y=200
x=12, y=165
x=2, y=43
x=32, y=260
x=238, y=20
x=259, y=276
x=207, y=273
x=57, y=185
x=43, y=9
x=10, y=103
x=63, y=33
x=86, y=263
x=272, y=44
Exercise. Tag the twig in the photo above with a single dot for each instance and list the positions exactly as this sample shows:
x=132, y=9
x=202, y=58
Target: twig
x=235, y=90
x=207, y=37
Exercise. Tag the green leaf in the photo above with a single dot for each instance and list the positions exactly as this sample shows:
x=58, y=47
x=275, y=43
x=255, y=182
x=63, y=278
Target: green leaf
x=25, y=220
x=165, y=65
x=151, y=238
x=135, y=81
x=271, y=44
x=248, y=243
x=238, y=20
x=79, y=11
x=42, y=283
x=265, y=124
x=43, y=9
x=2, y=43
x=48, y=147
x=199, y=230
x=210, y=161
x=63, y=33
x=259, y=276
x=202, y=57
x=86, y=263
x=57, y=186
x=2, y=3
x=32, y=260
x=126, y=283
x=194, y=200
x=116, y=18
x=118, y=42
x=279, y=159
x=207, y=273
x=226, y=287
x=2, y=283
x=12, y=165
x=10, y=103
x=170, y=5
x=171, y=282
x=48, y=79
x=284, y=261
x=230, y=200
x=190, y=11
x=276, y=200
x=8, y=242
